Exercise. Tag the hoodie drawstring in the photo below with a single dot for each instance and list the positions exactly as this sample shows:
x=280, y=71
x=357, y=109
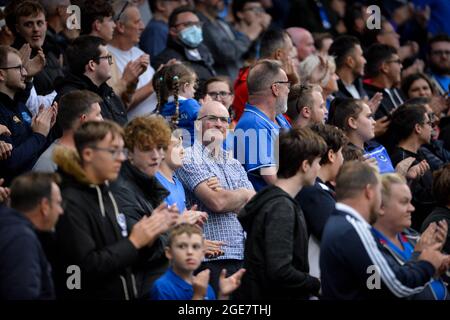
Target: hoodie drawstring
x=100, y=200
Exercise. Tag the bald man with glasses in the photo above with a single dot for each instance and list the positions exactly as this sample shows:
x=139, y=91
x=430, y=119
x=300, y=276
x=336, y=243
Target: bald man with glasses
x=207, y=159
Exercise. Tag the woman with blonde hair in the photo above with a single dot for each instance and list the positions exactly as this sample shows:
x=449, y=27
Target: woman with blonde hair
x=401, y=244
x=321, y=70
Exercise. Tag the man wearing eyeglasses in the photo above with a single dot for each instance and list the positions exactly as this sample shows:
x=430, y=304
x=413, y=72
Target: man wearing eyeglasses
x=439, y=62
x=90, y=67
x=28, y=135
x=257, y=131
x=185, y=44
x=275, y=44
x=93, y=233
x=207, y=159
x=383, y=74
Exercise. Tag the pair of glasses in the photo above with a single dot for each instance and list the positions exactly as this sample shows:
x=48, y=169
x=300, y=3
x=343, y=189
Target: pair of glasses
x=215, y=118
x=188, y=24
x=395, y=61
x=115, y=153
x=432, y=119
x=109, y=57
x=431, y=123
x=441, y=53
x=216, y=94
x=20, y=67
x=287, y=83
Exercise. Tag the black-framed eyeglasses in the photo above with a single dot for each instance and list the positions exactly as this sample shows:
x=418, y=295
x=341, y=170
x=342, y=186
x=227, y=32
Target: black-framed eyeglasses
x=394, y=61
x=216, y=94
x=431, y=119
x=109, y=57
x=121, y=11
x=287, y=83
x=20, y=67
x=430, y=123
x=188, y=24
x=440, y=52
x=115, y=153
x=213, y=118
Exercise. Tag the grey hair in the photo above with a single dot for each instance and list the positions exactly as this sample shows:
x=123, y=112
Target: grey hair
x=118, y=7
x=262, y=75
x=317, y=69
x=50, y=6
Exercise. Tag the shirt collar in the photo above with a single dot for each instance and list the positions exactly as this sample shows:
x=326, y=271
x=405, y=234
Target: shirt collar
x=8, y=102
x=171, y=98
x=223, y=154
x=176, y=279
x=256, y=110
x=346, y=208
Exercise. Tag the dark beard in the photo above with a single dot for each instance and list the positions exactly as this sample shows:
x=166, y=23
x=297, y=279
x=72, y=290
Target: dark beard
x=440, y=70
x=373, y=216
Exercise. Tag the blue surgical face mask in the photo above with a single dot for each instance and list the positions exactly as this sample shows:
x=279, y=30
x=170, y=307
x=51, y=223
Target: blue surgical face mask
x=191, y=36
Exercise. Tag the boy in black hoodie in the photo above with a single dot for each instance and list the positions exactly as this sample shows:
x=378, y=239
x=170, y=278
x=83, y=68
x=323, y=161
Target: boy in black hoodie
x=93, y=234
x=276, y=248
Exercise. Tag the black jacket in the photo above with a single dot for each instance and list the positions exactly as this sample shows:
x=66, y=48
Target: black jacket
x=27, y=144
x=137, y=195
x=276, y=249
x=344, y=93
x=203, y=68
x=421, y=188
x=88, y=235
x=112, y=107
x=444, y=135
x=438, y=214
x=435, y=154
x=53, y=69
x=388, y=103
x=318, y=203
x=25, y=272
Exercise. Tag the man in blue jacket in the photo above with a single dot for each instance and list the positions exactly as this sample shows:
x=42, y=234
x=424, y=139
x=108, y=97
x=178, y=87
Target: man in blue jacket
x=36, y=205
x=352, y=267
x=28, y=135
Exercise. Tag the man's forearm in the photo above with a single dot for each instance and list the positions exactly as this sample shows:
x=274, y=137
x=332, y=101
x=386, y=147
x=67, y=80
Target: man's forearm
x=233, y=200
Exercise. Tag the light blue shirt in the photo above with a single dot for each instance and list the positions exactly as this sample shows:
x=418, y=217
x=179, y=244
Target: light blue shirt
x=176, y=191
x=255, y=138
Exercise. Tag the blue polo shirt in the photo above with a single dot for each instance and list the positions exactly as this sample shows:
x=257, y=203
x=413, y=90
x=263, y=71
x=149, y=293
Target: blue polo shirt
x=255, y=137
x=176, y=190
x=444, y=81
x=171, y=287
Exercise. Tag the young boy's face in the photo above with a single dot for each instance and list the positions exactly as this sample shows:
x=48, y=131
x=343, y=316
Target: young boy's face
x=175, y=153
x=186, y=252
